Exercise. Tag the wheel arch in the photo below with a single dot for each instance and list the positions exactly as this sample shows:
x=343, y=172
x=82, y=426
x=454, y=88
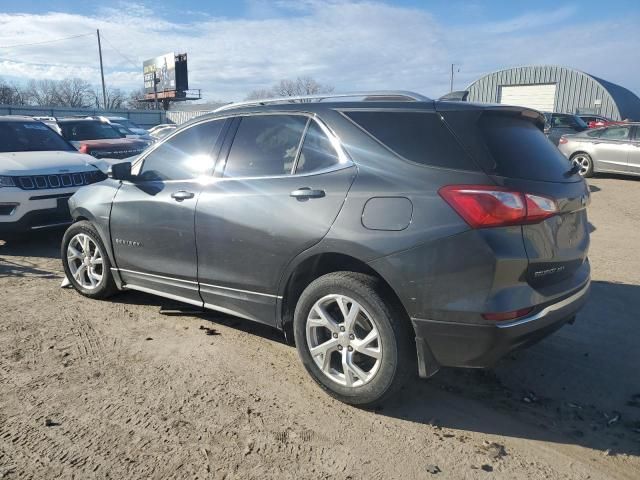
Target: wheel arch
x=308, y=269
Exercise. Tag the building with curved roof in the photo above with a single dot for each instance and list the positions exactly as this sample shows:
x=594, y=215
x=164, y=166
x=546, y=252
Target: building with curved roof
x=557, y=89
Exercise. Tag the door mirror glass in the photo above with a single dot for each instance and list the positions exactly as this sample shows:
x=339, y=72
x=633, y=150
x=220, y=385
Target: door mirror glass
x=120, y=171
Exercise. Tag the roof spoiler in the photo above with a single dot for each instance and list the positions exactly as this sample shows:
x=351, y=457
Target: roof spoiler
x=458, y=96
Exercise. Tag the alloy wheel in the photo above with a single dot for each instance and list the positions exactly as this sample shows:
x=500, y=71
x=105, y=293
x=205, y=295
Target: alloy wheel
x=343, y=340
x=84, y=258
x=584, y=164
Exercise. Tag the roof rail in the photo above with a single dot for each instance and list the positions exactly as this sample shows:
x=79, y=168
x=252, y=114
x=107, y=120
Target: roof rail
x=381, y=95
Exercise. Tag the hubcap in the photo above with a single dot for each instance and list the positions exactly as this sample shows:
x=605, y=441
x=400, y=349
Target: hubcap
x=84, y=259
x=343, y=340
x=583, y=164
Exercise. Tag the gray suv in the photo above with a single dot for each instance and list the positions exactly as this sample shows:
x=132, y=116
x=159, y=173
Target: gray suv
x=385, y=233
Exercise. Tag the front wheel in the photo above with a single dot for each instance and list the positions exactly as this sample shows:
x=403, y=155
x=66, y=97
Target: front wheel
x=584, y=163
x=352, y=339
x=85, y=261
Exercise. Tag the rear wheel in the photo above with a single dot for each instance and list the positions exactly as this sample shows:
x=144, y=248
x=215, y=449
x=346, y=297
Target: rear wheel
x=584, y=163
x=85, y=261
x=355, y=344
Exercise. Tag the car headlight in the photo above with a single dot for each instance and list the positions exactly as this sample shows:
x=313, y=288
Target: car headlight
x=7, y=182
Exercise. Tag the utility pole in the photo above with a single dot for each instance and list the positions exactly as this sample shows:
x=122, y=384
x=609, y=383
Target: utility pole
x=451, y=83
x=155, y=90
x=104, y=91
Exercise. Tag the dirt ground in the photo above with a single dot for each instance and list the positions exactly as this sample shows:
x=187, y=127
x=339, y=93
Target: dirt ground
x=116, y=389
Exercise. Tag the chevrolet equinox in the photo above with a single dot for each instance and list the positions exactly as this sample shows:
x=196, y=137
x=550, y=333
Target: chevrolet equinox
x=387, y=234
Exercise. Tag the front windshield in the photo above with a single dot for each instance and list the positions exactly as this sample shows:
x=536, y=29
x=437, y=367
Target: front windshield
x=88, y=130
x=122, y=129
x=127, y=123
x=18, y=136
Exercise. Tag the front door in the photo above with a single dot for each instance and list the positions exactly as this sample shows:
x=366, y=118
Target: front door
x=152, y=218
x=282, y=186
x=612, y=149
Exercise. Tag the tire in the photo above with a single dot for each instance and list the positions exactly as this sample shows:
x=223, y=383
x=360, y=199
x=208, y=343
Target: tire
x=586, y=164
x=89, y=274
x=390, y=359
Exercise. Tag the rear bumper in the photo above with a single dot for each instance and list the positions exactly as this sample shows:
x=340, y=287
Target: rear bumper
x=452, y=344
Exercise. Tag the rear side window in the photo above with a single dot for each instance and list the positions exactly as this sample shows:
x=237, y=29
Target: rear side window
x=519, y=149
x=616, y=133
x=570, y=121
x=265, y=145
x=420, y=137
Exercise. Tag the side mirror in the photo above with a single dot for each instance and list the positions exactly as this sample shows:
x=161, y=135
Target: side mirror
x=120, y=171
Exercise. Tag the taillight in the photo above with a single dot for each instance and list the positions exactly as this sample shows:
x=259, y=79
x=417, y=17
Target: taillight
x=562, y=141
x=483, y=206
x=84, y=148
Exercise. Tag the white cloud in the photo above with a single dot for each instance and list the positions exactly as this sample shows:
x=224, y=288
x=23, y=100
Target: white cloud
x=353, y=46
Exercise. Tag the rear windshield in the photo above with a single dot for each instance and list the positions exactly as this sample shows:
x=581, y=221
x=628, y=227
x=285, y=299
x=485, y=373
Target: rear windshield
x=520, y=150
x=420, y=137
x=88, y=130
x=30, y=137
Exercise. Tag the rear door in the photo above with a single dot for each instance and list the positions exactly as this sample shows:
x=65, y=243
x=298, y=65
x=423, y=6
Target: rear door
x=281, y=183
x=152, y=218
x=612, y=148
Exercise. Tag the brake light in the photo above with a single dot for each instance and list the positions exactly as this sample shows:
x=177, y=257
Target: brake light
x=84, y=148
x=498, y=317
x=483, y=206
x=562, y=141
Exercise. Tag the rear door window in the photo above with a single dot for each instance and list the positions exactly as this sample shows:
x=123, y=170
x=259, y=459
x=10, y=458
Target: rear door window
x=420, y=137
x=615, y=133
x=265, y=145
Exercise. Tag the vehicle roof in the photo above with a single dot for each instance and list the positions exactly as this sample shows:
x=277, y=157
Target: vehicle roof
x=17, y=118
x=325, y=106
x=79, y=120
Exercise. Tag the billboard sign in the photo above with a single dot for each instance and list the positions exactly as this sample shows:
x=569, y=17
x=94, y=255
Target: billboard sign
x=164, y=67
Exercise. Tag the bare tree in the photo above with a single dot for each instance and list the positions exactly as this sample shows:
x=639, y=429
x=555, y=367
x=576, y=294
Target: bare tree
x=73, y=92
x=70, y=92
x=135, y=101
x=11, y=94
x=291, y=88
x=115, y=98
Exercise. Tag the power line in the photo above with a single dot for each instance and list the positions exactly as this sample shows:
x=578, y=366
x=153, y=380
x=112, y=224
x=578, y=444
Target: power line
x=136, y=65
x=46, y=41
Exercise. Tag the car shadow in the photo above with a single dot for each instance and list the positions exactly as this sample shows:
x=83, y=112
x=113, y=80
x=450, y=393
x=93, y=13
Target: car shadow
x=43, y=244
x=579, y=386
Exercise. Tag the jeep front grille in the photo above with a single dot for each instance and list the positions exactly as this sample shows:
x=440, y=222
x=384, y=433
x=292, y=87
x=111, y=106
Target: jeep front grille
x=61, y=180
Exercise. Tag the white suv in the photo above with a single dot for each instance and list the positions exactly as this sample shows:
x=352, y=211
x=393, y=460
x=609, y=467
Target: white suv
x=39, y=171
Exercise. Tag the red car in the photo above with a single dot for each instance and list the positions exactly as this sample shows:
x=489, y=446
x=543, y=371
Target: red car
x=596, y=121
x=99, y=139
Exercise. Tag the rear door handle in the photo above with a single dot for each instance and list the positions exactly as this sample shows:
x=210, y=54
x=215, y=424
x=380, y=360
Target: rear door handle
x=306, y=192
x=181, y=195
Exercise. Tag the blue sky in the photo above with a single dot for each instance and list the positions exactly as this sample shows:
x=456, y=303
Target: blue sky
x=237, y=46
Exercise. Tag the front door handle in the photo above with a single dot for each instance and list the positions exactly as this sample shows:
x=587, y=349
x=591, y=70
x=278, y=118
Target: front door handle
x=182, y=195
x=306, y=192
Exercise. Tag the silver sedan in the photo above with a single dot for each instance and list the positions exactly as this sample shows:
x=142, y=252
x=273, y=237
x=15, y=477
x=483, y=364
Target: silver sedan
x=614, y=149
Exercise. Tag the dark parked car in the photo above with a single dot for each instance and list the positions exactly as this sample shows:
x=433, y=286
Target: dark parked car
x=387, y=237
x=558, y=124
x=99, y=139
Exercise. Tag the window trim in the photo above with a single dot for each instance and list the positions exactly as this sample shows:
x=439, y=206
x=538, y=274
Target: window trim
x=345, y=160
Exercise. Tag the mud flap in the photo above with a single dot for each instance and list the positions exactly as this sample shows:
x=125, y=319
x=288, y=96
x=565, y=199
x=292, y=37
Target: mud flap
x=427, y=364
